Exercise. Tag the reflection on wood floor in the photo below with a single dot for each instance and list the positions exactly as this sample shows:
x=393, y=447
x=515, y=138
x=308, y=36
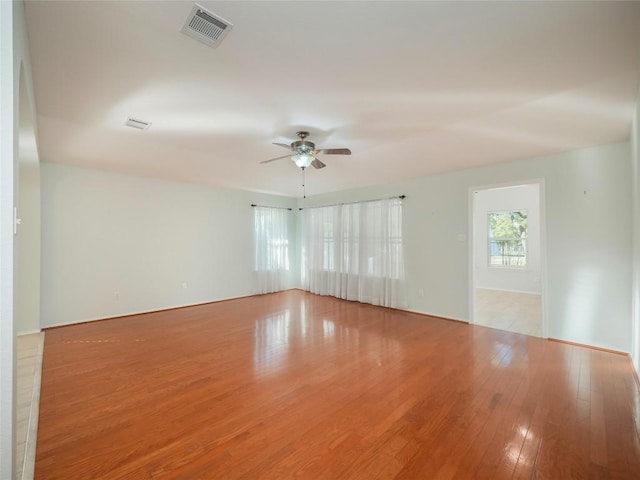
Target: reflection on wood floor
x=294, y=385
x=511, y=311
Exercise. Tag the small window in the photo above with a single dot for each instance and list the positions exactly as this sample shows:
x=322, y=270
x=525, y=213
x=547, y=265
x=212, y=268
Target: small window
x=507, y=239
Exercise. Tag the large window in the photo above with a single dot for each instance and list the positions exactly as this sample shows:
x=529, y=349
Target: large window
x=507, y=238
x=271, y=229
x=354, y=251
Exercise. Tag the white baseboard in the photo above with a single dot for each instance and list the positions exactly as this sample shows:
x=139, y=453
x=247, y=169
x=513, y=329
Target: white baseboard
x=154, y=310
x=435, y=315
x=29, y=332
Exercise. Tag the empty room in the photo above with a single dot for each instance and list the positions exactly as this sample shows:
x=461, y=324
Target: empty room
x=319, y=240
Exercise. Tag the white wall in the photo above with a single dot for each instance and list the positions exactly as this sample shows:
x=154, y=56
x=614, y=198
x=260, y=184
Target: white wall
x=118, y=244
x=27, y=299
x=513, y=198
x=15, y=68
x=27, y=254
x=588, y=207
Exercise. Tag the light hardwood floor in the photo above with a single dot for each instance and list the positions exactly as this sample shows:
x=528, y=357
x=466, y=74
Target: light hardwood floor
x=293, y=385
x=511, y=311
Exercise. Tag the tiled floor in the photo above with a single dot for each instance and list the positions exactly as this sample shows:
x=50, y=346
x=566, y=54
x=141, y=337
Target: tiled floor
x=511, y=311
x=29, y=353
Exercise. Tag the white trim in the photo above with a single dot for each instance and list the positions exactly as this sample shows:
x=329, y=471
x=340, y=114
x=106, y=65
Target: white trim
x=581, y=343
x=471, y=257
x=543, y=259
x=29, y=332
x=156, y=310
x=543, y=246
x=7, y=179
x=419, y=312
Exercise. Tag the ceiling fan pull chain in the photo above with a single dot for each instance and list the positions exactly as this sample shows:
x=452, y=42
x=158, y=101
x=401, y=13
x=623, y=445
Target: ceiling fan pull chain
x=304, y=188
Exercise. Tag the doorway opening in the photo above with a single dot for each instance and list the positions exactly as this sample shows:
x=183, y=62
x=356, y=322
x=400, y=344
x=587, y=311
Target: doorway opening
x=507, y=252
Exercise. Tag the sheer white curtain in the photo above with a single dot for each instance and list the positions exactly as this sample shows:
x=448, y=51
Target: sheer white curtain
x=271, y=230
x=355, y=252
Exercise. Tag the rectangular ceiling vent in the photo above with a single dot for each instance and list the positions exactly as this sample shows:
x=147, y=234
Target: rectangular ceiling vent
x=206, y=27
x=139, y=124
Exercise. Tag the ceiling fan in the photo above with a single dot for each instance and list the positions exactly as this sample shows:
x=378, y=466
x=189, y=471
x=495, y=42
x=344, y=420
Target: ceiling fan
x=303, y=152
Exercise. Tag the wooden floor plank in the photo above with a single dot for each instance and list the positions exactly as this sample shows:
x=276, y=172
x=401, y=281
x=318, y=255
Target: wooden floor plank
x=294, y=385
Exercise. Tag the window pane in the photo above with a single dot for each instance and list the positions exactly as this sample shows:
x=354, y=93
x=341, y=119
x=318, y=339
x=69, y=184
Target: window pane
x=507, y=242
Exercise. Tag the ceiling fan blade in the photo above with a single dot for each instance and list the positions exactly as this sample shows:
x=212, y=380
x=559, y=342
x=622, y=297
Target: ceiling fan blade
x=317, y=164
x=274, y=159
x=334, y=151
x=288, y=147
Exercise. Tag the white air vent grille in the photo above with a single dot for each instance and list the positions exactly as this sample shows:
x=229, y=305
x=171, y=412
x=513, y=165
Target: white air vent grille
x=206, y=27
x=139, y=124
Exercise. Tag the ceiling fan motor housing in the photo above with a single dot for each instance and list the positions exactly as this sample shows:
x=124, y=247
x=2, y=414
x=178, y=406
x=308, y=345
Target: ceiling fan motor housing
x=303, y=146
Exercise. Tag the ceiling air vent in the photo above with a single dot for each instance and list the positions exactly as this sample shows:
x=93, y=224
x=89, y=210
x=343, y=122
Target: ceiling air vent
x=206, y=27
x=139, y=124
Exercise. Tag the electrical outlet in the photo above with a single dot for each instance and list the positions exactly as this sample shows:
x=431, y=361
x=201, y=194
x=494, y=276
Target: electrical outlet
x=421, y=292
x=184, y=284
x=116, y=295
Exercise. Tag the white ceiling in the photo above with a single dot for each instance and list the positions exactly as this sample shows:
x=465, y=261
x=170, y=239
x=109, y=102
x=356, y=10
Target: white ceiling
x=413, y=88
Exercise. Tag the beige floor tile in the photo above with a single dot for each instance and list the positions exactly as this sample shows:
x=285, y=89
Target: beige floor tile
x=29, y=364
x=511, y=311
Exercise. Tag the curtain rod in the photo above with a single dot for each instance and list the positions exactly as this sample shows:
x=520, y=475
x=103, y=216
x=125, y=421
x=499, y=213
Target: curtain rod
x=267, y=206
x=401, y=197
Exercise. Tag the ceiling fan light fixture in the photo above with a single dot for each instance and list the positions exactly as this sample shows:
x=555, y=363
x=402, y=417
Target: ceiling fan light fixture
x=302, y=160
x=304, y=153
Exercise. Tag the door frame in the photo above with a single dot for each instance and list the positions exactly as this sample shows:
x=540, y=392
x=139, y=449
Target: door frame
x=543, y=247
